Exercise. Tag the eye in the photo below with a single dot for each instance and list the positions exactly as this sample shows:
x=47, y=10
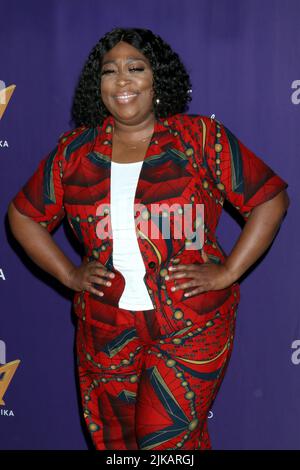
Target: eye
x=132, y=69
x=106, y=71
x=139, y=69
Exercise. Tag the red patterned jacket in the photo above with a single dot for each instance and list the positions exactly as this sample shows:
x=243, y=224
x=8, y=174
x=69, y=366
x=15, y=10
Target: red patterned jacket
x=191, y=160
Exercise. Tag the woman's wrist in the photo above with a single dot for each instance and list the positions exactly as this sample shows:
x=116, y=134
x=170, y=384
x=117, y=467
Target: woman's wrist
x=232, y=275
x=68, y=276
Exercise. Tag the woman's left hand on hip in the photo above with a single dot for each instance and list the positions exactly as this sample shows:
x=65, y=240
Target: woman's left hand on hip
x=203, y=277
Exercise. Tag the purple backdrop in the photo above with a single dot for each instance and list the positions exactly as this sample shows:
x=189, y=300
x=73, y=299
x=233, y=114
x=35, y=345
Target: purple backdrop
x=243, y=58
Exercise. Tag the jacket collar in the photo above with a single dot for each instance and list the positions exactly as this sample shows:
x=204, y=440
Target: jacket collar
x=163, y=136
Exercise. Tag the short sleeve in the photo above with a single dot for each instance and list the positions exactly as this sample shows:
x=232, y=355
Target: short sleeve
x=243, y=177
x=41, y=197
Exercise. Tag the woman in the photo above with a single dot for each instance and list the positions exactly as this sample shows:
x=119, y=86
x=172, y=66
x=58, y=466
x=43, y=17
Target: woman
x=156, y=311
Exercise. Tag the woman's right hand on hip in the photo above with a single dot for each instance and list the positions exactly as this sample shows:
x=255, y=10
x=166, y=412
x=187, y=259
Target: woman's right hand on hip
x=83, y=277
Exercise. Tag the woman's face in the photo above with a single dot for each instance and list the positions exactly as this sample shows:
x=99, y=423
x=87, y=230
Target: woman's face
x=126, y=84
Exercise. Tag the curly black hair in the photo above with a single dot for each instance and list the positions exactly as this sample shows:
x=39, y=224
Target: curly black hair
x=171, y=82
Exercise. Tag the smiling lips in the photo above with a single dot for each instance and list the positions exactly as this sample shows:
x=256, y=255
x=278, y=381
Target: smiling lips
x=125, y=98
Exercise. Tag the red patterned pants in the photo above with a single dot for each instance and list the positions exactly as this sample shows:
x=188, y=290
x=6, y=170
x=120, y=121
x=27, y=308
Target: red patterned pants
x=141, y=389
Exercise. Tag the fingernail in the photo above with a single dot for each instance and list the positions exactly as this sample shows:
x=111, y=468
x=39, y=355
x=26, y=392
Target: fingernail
x=173, y=288
x=167, y=277
x=101, y=293
x=171, y=268
x=108, y=283
x=112, y=275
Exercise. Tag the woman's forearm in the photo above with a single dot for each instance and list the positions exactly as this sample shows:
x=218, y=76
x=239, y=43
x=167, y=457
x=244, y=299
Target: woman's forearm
x=257, y=235
x=39, y=245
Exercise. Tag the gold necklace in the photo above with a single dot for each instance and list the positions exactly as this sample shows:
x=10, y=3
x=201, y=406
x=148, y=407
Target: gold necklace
x=132, y=146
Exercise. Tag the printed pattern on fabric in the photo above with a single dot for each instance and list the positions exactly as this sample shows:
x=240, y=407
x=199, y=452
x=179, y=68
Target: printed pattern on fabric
x=142, y=390
x=148, y=378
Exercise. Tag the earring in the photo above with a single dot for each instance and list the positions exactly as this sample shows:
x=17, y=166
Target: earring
x=157, y=100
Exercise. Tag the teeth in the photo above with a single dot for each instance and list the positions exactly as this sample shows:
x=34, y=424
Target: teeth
x=125, y=96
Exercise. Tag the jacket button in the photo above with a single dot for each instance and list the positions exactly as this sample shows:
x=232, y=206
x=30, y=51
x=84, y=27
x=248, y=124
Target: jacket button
x=151, y=264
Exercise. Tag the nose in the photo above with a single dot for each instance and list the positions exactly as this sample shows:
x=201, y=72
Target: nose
x=123, y=78
x=122, y=82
